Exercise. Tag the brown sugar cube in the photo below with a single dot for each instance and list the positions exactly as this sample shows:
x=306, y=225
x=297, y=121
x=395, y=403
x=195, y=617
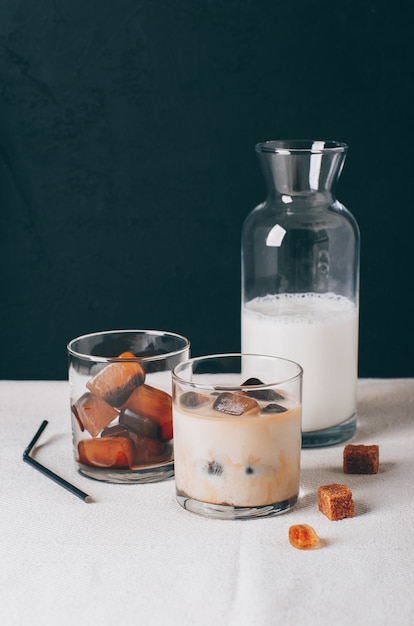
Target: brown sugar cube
x=117, y=381
x=93, y=414
x=360, y=459
x=335, y=501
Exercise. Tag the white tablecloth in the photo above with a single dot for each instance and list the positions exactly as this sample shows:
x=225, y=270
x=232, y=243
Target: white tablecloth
x=133, y=556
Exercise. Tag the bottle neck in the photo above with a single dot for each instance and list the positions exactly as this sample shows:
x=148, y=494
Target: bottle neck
x=293, y=168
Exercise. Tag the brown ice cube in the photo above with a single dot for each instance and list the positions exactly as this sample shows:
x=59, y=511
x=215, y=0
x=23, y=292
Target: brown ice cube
x=154, y=404
x=93, y=413
x=139, y=425
x=214, y=468
x=147, y=451
x=117, y=381
x=116, y=452
x=115, y=431
x=273, y=407
x=235, y=404
x=192, y=399
x=267, y=395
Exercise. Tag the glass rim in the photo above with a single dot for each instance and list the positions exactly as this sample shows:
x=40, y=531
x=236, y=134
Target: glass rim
x=133, y=331
x=196, y=385
x=301, y=146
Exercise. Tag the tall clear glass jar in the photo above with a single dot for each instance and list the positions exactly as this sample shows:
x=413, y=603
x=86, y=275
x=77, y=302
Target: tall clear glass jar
x=300, y=281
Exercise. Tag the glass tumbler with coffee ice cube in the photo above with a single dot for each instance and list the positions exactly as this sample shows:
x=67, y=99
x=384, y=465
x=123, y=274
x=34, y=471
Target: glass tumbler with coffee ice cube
x=237, y=435
x=121, y=405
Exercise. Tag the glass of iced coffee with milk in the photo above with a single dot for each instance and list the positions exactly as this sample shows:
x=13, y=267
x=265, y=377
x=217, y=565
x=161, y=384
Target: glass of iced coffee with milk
x=237, y=435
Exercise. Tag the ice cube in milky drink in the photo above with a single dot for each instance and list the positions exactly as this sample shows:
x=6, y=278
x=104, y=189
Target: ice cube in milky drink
x=236, y=449
x=318, y=331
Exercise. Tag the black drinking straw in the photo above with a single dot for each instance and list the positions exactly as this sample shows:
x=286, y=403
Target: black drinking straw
x=61, y=481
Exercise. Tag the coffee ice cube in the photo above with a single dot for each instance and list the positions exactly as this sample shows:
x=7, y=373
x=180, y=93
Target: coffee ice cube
x=115, y=431
x=252, y=381
x=274, y=408
x=139, y=425
x=214, y=468
x=117, y=381
x=235, y=403
x=144, y=449
x=115, y=452
x=153, y=404
x=267, y=395
x=192, y=399
x=147, y=450
x=93, y=413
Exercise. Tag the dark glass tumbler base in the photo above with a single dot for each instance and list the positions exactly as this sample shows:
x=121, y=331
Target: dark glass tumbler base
x=330, y=436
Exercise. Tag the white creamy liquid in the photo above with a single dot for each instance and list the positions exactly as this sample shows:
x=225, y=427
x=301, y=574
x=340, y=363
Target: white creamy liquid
x=320, y=332
x=256, y=457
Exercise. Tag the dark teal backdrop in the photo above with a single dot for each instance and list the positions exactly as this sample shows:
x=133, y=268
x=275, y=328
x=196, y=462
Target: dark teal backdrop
x=127, y=163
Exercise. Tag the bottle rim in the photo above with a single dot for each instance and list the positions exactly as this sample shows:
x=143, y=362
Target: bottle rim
x=301, y=146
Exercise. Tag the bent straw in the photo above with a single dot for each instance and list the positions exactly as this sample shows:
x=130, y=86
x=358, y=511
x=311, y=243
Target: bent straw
x=61, y=481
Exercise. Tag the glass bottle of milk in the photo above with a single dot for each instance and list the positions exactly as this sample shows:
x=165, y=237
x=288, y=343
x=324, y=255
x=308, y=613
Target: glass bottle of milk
x=300, y=282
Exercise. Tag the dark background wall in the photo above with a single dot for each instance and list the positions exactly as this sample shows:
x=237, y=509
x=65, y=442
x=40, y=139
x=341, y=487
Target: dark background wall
x=127, y=162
